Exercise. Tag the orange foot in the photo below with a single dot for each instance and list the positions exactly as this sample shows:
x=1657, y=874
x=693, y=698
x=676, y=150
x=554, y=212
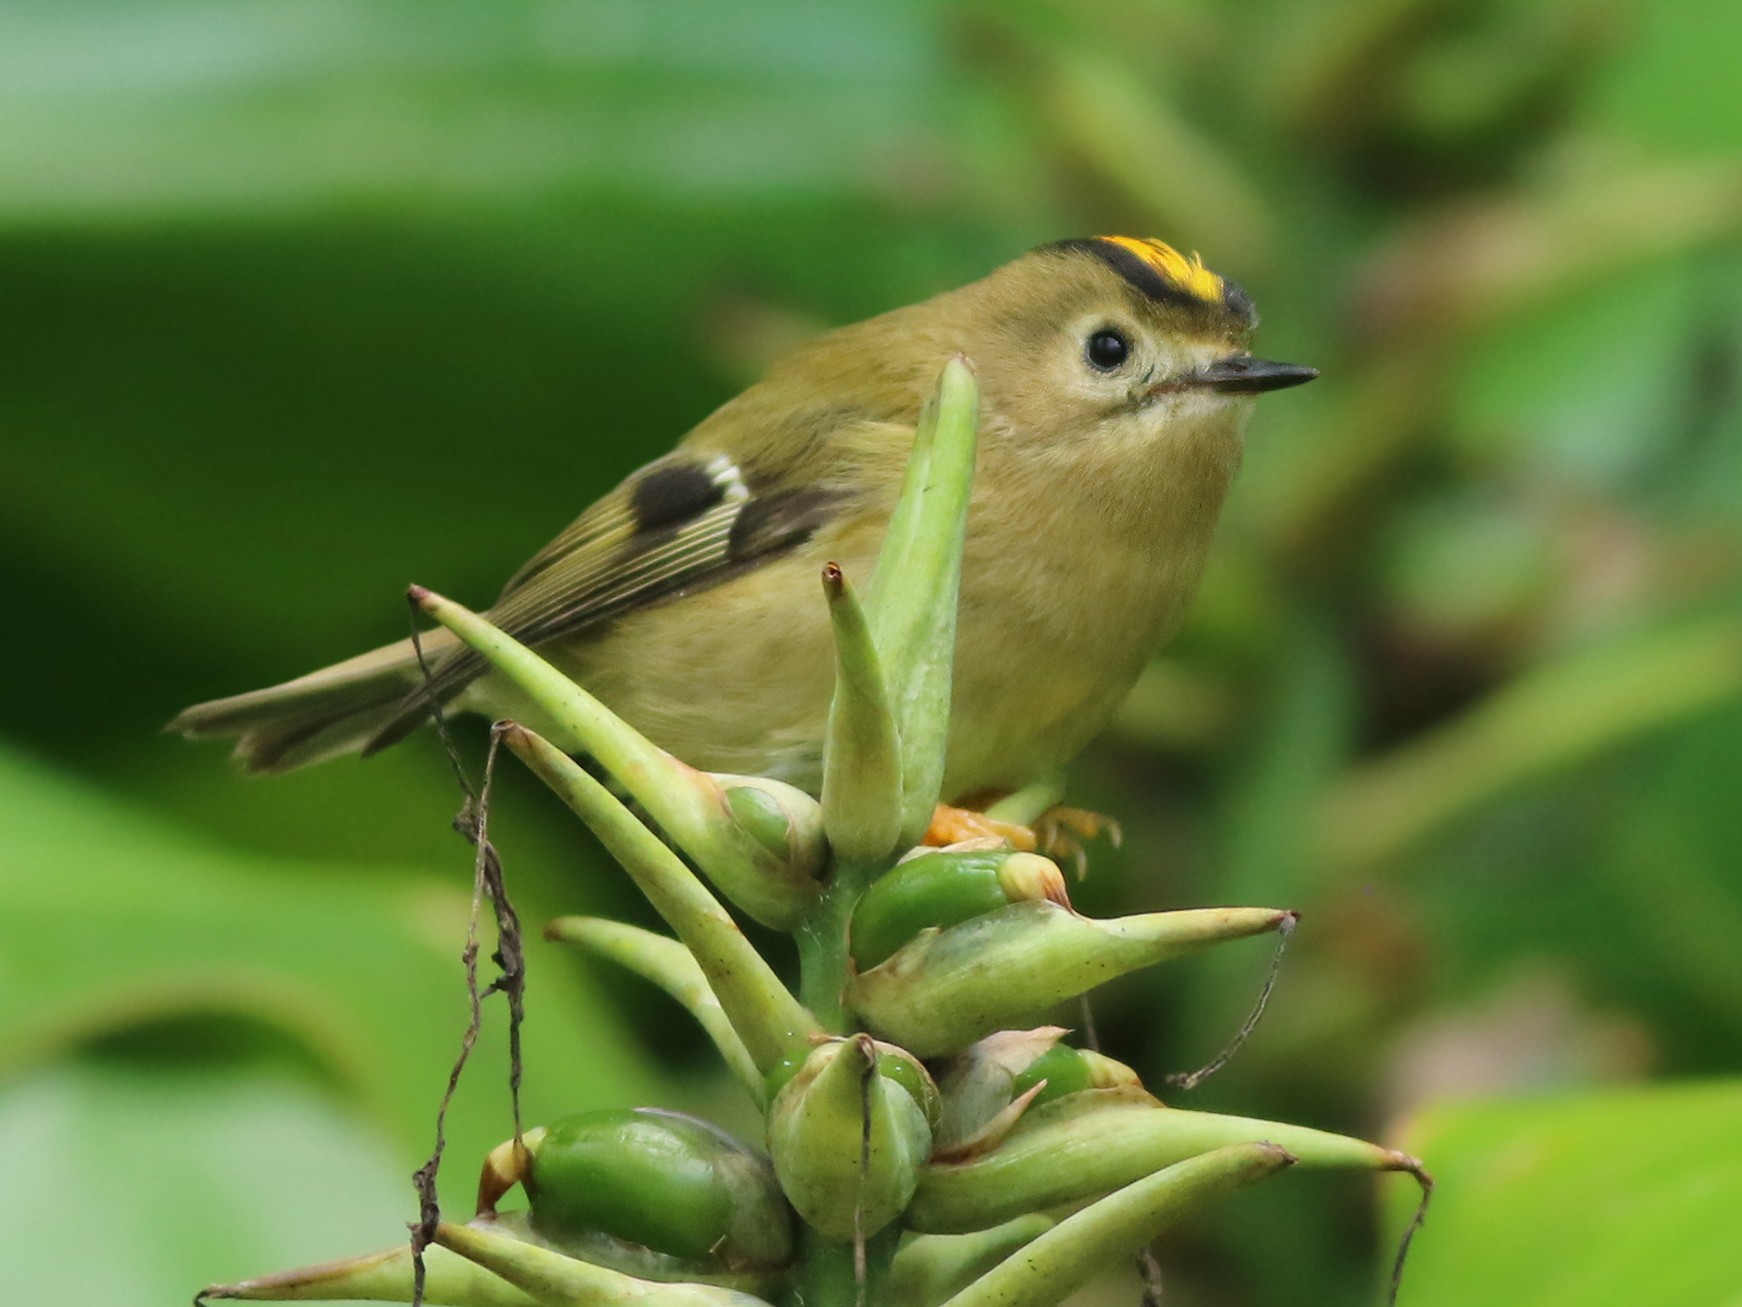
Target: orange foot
x=1063, y=832
x=952, y=827
x=1060, y=832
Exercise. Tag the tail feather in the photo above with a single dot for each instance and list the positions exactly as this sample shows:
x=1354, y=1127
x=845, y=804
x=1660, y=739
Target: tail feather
x=334, y=711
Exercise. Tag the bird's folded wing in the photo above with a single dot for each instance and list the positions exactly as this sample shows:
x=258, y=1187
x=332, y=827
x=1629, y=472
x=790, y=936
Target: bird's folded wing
x=682, y=522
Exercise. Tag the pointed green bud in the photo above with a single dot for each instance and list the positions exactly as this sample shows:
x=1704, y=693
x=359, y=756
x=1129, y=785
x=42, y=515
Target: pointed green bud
x=862, y=757
x=387, y=1276
x=979, y=1089
x=945, y=888
x=929, y=1268
x=1059, y=1262
x=1003, y=1056
x=554, y=1279
x=898, y=1064
x=1096, y=1140
x=991, y=1085
x=691, y=807
x=612, y=1184
x=912, y=606
x=845, y=1177
x=1063, y=1070
x=1005, y=969
x=770, y=1021
x=672, y=967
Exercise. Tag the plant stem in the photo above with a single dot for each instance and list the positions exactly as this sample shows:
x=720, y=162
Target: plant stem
x=825, y=1275
x=822, y=946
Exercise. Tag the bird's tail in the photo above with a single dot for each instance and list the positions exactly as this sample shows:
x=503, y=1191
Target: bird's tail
x=337, y=710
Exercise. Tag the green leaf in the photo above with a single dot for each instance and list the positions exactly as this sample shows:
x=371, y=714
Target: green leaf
x=1591, y=1201
x=1560, y=714
x=131, y=1186
x=1088, y=1143
x=109, y=920
x=556, y=1280
x=1006, y=969
x=187, y=105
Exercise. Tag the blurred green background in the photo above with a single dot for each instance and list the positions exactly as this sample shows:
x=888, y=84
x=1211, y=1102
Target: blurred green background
x=299, y=303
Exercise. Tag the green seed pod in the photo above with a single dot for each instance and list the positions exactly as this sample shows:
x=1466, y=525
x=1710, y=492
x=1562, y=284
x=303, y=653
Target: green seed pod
x=550, y=1277
x=991, y=1085
x=909, y=1072
x=661, y=1181
x=896, y=1063
x=781, y=1073
x=1002, y=970
x=862, y=755
x=1066, y=1070
x=781, y=818
x=689, y=806
x=450, y=1280
x=1094, y=1141
x=843, y=1178
x=944, y=889
x=979, y=1090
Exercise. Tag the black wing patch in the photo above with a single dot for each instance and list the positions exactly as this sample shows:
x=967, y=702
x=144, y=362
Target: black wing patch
x=673, y=493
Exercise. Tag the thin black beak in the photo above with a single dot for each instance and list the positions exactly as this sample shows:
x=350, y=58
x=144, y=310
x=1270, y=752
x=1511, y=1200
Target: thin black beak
x=1240, y=374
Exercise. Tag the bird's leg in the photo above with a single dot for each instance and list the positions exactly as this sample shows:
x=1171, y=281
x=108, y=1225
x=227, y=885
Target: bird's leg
x=950, y=825
x=1063, y=832
x=1059, y=832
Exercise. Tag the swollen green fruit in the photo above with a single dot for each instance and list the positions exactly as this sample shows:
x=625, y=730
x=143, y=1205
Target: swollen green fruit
x=667, y=1182
x=848, y=1173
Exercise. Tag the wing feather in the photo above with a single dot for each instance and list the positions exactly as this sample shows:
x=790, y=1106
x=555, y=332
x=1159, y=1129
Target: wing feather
x=677, y=524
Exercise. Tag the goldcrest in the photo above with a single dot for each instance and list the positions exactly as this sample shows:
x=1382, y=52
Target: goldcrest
x=1115, y=382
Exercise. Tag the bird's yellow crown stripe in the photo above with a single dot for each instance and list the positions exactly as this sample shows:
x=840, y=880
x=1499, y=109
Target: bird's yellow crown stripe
x=1185, y=274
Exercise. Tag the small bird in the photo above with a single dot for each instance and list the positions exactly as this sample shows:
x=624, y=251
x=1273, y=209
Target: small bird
x=1115, y=382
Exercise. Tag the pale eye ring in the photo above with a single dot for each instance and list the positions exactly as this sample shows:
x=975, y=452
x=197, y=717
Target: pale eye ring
x=1107, y=349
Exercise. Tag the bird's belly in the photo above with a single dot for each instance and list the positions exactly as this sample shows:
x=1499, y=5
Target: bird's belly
x=1047, y=652
x=1018, y=714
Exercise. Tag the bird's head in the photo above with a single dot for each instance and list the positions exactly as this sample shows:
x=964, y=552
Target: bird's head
x=1115, y=338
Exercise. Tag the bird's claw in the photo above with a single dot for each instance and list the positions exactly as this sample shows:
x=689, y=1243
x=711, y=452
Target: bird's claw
x=1060, y=833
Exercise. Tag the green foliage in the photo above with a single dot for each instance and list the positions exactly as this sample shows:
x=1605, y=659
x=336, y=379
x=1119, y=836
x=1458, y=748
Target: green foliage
x=230, y=1033
x=1634, y=1179
x=303, y=302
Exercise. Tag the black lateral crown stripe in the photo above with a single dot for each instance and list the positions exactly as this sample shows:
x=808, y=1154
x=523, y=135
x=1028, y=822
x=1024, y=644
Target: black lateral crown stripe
x=1128, y=266
x=674, y=493
x=1150, y=282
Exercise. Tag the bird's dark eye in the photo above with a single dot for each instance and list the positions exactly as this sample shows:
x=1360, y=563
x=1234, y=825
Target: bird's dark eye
x=1107, y=349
